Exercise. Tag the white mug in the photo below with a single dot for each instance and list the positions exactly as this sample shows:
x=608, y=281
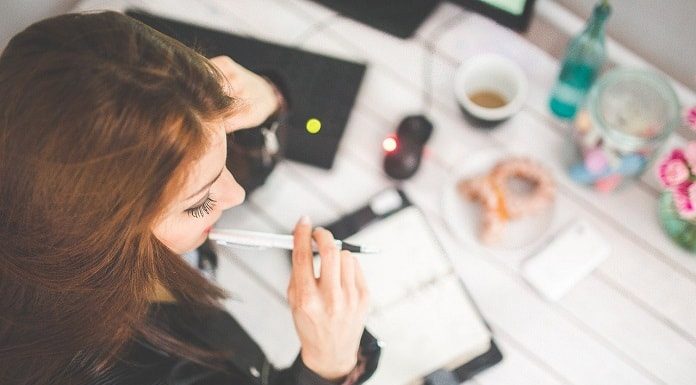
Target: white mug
x=494, y=73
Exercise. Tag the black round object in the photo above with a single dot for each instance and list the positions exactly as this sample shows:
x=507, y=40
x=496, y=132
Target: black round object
x=411, y=135
x=415, y=129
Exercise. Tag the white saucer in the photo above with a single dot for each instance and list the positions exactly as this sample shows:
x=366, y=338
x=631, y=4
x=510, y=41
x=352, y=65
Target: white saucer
x=463, y=216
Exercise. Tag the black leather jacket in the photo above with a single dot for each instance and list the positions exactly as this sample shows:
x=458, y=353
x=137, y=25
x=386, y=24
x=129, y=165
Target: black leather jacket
x=217, y=329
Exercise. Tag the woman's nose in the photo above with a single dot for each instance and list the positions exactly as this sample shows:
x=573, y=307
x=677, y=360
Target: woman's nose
x=232, y=193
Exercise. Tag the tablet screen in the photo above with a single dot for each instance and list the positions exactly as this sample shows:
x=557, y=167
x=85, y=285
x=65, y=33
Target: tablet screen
x=515, y=7
x=512, y=13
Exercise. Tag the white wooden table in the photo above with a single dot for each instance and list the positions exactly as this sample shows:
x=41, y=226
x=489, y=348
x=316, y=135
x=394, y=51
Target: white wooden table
x=632, y=321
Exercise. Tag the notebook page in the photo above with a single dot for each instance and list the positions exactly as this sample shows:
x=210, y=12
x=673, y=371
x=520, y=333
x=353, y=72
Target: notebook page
x=435, y=328
x=420, y=309
x=410, y=257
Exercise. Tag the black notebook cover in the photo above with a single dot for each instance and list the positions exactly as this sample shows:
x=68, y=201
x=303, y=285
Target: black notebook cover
x=316, y=86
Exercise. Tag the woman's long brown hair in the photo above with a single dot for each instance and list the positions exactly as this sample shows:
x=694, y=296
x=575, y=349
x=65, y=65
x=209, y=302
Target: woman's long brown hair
x=100, y=117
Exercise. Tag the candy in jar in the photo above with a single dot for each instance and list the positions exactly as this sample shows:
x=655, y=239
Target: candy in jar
x=628, y=115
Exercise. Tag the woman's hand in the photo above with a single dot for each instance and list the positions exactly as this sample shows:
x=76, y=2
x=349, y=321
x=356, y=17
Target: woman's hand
x=329, y=312
x=255, y=96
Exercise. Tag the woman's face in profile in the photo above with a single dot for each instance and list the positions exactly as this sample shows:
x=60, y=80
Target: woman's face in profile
x=208, y=190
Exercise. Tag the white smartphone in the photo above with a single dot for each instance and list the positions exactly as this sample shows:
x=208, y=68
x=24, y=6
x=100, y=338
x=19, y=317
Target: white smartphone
x=571, y=255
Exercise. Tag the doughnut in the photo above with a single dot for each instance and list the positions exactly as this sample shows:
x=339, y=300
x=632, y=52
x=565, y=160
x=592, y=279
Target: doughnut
x=517, y=204
x=478, y=189
x=493, y=218
x=498, y=203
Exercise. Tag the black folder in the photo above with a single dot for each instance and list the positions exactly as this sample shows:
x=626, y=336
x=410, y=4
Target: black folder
x=316, y=86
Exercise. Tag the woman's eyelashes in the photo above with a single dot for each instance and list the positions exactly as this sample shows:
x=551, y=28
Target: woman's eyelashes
x=203, y=209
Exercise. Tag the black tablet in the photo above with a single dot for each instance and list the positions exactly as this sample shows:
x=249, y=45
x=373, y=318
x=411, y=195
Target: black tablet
x=400, y=18
x=511, y=13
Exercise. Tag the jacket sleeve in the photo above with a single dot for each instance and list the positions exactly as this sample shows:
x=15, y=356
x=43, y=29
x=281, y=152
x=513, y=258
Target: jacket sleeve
x=143, y=363
x=299, y=374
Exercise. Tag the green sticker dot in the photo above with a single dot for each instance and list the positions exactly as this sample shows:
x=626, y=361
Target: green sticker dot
x=313, y=126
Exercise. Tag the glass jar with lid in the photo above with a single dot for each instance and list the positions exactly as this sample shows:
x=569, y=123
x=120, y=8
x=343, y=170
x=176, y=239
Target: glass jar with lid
x=627, y=117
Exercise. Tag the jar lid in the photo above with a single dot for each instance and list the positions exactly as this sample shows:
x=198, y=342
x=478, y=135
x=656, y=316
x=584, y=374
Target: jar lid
x=633, y=108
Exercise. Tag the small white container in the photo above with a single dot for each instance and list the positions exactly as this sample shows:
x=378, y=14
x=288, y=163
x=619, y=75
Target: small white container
x=489, y=72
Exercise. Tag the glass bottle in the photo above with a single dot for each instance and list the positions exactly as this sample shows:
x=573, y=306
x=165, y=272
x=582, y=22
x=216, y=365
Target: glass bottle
x=583, y=60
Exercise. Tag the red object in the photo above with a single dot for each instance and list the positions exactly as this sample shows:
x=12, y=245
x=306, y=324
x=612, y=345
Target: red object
x=390, y=144
x=608, y=183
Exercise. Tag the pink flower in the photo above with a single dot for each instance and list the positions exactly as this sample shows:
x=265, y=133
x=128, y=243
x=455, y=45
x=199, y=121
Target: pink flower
x=673, y=171
x=684, y=198
x=691, y=118
x=690, y=155
x=691, y=192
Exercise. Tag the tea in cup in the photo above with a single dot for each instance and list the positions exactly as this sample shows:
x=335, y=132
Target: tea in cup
x=490, y=89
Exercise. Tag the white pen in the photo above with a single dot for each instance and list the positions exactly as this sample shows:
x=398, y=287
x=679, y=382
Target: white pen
x=255, y=239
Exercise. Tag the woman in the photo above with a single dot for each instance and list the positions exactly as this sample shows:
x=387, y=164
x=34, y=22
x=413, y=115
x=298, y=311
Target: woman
x=112, y=165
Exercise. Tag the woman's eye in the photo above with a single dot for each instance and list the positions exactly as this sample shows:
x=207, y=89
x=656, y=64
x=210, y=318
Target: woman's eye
x=203, y=209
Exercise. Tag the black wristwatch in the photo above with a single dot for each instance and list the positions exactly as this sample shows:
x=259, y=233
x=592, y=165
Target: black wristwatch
x=254, y=152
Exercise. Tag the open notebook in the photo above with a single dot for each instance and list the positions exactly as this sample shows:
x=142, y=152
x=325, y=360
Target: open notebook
x=420, y=308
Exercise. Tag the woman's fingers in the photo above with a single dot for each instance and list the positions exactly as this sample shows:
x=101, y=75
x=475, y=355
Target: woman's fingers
x=341, y=280
x=330, y=275
x=255, y=98
x=348, y=275
x=303, y=270
x=227, y=65
x=360, y=283
x=330, y=319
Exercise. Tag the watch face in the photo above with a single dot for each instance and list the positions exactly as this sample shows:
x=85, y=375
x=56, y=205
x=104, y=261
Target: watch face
x=270, y=139
x=515, y=7
x=515, y=14
x=253, y=153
